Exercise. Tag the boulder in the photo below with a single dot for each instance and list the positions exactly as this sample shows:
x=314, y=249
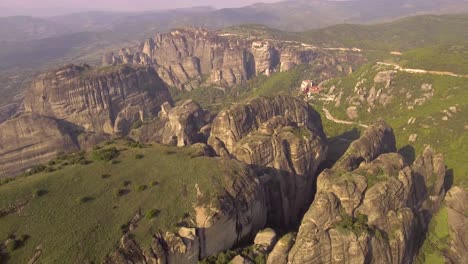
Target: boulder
x=240, y=260
x=265, y=239
x=279, y=254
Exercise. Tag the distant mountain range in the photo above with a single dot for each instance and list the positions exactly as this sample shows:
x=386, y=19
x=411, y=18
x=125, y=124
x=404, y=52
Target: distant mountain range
x=293, y=15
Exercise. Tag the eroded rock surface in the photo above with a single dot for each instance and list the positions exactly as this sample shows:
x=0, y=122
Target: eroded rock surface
x=182, y=125
x=31, y=139
x=375, y=212
x=283, y=138
x=187, y=58
x=94, y=98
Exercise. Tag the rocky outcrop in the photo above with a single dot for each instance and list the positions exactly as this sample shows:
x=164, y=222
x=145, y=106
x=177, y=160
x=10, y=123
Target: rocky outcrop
x=237, y=212
x=76, y=107
x=283, y=139
x=182, y=125
x=279, y=254
x=377, y=139
x=102, y=100
x=190, y=57
x=8, y=111
x=31, y=139
x=457, y=216
x=374, y=213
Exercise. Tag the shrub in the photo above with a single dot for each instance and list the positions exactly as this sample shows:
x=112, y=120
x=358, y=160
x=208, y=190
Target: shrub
x=137, y=124
x=139, y=156
x=154, y=183
x=152, y=213
x=113, y=162
x=13, y=245
x=121, y=192
x=40, y=192
x=85, y=199
x=36, y=169
x=105, y=154
x=84, y=161
x=126, y=183
x=51, y=163
x=141, y=188
x=135, y=144
x=105, y=176
x=49, y=169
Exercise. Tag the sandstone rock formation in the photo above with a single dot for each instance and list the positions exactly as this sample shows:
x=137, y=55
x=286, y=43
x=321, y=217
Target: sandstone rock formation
x=458, y=222
x=377, y=139
x=374, y=213
x=189, y=57
x=31, y=139
x=75, y=107
x=279, y=254
x=94, y=98
x=283, y=138
x=181, y=125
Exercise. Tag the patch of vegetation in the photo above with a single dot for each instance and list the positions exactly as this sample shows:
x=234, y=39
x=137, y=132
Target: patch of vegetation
x=139, y=156
x=107, y=154
x=357, y=224
x=141, y=188
x=35, y=169
x=164, y=168
x=85, y=199
x=152, y=213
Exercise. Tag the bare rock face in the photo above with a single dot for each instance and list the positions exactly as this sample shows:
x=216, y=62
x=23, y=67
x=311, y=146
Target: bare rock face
x=8, y=111
x=374, y=213
x=283, y=138
x=184, y=57
x=31, y=139
x=98, y=100
x=458, y=221
x=182, y=125
x=377, y=139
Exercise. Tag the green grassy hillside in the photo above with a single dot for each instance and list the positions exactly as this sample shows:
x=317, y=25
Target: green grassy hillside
x=78, y=212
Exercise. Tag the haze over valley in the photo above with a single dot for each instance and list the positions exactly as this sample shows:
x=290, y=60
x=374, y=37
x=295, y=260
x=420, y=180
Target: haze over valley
x=234, y=131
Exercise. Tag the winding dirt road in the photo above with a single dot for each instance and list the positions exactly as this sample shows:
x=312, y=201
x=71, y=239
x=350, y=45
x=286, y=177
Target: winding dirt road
x=399, y=68
x=338, y=121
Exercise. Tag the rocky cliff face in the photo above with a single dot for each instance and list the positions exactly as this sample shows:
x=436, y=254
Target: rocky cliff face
x=182, y=125
x=375, y=212
x=31, y=139
x=103, y=100
x=71, y=107
x=283, y=138
x=190, y=57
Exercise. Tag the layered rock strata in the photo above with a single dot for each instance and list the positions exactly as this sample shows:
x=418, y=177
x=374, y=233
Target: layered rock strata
x=75, y=107
x=190, y=57
x=31, y=139
x=283, y=139
x=99, y=100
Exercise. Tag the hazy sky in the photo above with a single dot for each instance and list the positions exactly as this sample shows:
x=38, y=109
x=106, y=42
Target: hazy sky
x=127, y=5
